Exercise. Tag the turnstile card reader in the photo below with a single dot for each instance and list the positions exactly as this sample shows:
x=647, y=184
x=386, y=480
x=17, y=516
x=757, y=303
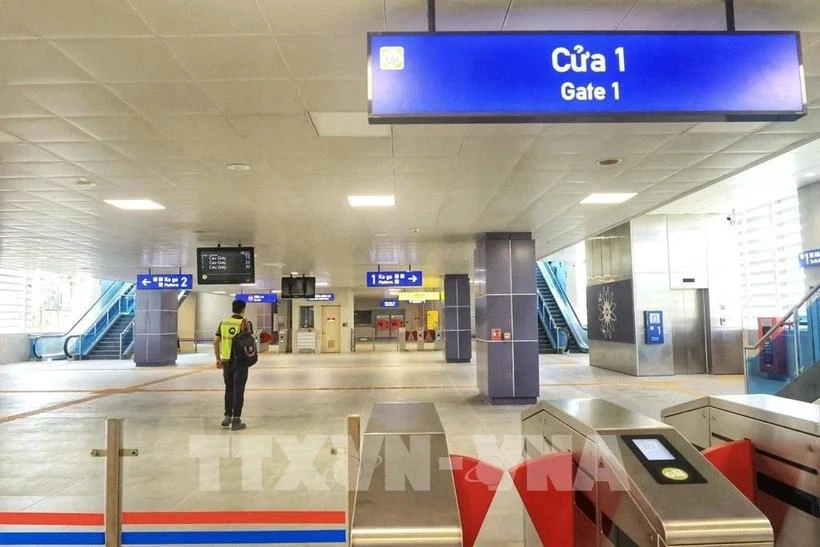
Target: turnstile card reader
x=638, y=482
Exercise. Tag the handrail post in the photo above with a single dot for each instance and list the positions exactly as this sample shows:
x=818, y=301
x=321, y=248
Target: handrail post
x=354, y=443
x=796, y=320
x=113, y=483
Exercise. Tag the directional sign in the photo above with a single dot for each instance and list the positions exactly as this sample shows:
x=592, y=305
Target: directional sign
x=323, y=297
x=584, y=76
x=411, y=278
x=165, y=282
x=417, y=297
x=389, y=303
x=810, y=259
x=263, y=298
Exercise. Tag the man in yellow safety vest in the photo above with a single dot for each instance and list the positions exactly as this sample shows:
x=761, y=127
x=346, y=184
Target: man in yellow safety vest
x=235, y=376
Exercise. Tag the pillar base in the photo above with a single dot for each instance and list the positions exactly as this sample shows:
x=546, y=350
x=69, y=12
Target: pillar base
x=459, y=360
x=147, y=365
x=511, y=400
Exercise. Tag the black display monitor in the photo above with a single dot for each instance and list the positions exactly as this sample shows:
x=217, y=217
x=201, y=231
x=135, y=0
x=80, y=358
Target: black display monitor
x=225, y=265
x=298, y=287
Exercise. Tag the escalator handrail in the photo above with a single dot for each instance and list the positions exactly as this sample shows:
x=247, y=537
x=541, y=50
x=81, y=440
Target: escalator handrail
x=576, y=329
x=116, y=284
x=560, y=288
x=786, y=318
x=115, y=303
x=547, y=321
x=65, y=345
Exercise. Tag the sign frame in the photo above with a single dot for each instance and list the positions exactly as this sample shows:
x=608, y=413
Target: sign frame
x=597, y=117
x=323, y=297
x=149, y=282
x=397, y=274
x=810, y=258
x=269, y=298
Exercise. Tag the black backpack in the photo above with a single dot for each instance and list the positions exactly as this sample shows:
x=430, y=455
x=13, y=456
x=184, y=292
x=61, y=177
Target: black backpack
x=243, y=348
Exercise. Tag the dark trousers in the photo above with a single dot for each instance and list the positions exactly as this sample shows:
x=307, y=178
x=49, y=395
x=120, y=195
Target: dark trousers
x=235, y=380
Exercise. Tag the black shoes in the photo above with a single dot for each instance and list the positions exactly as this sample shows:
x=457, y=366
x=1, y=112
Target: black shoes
x=237, y=424
x=226, y=422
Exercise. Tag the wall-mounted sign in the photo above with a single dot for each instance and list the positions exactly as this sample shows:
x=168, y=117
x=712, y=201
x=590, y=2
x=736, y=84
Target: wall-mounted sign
x=165, y=282
x=263, y=298
x=464, y=77
x=419, y=296
x=497, y=334
x=809, y=259
x=323, y=297
x=389, y=303
x=653, y=327
x=611, y=312
x=395, y=279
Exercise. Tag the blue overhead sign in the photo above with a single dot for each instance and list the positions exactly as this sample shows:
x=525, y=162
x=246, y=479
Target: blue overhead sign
x=389, y=303
x=809, y=259
x=580, y=76
x=323, y=297
x=165, y=282
x=263, y=298
x=412, y=278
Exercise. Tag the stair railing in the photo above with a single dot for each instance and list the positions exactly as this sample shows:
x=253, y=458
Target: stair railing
x=127, y=330
x=547, y=321
x=86, y=341
x=576, y=329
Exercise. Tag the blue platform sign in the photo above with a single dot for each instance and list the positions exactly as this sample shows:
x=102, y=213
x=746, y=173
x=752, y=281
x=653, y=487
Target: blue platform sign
x=810, y=259
x=411, y=278
x=261, y=298
x=389, y=303
x=653, y=326
x=165, y=282
x=464, y=77
x=323, y=297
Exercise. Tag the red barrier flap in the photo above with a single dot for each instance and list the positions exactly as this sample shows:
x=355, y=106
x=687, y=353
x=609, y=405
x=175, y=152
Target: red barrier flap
x=545, y=487
x=476, y=483
x=735, y=460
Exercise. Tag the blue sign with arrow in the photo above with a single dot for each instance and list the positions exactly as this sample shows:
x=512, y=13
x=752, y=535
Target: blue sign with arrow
x=165, y=282
x=263, y=298
x=412, y=278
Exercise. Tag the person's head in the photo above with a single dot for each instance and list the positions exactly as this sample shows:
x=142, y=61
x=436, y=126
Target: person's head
x=238, y=307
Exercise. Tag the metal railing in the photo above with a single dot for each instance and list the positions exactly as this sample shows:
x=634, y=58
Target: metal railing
x=125, y=343
x=85, y=342
x=549, y=324
x=576, y=329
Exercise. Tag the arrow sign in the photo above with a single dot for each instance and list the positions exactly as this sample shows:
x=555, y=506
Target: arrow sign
x=413, y=278
x=165, y=282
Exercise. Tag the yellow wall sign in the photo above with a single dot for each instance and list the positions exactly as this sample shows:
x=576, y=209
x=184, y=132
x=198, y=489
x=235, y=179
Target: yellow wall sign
x=432, y=319
x=420, y=296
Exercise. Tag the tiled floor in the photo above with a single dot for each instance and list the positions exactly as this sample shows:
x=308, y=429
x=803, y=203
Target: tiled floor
x=292, y=454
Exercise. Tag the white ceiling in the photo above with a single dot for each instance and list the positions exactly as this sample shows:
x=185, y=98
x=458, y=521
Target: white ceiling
x=152, y=98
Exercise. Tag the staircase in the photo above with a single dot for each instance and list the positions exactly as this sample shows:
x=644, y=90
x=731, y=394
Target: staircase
x=557, y=316
x=108, y=346
x=544, y=344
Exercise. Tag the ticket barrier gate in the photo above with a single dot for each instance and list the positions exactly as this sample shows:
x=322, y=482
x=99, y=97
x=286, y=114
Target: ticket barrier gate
x=635, y=481
x=769, y=447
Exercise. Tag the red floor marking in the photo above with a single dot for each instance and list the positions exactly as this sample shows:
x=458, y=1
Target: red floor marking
x=52, y=519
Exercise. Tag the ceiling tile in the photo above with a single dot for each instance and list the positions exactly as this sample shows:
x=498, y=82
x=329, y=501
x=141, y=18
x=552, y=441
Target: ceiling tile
x=43, y=130
x=321, y=17
x=202, y=17
x=567, y=14
x=55, y=169
x=12, y=170
x=688, y=15
x=357, y=146
x=728, y=127
x=645, y=175
x=766, y=142
x=7, y=137
x=237, y=150
x=166, y=98
x=424, y=165
x=671, y=161
x=809, y=123
x=697, y=175
x=469, y=15
x=263, y=127
x=13, y=104
x=114, y=168
x=82, y=151
x=76, y=99
x=230, y=58
x=117, y=128
x=251, y=97
x=729, y=161
x=200, y=127
x=149, y=149
x=495, y=146
x=326, y=56
x=22, y=152
x=535, y=161
x=699, y=142
x=407, y=147
x=59, y=18
x=36, y=62
x=124, y=59
x=334, y=95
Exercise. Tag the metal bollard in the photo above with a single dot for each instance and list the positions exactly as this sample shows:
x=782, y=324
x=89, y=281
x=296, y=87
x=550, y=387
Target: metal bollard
x=113, y=454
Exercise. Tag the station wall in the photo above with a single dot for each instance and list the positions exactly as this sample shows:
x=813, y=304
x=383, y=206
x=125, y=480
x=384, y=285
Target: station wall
x=14, y=348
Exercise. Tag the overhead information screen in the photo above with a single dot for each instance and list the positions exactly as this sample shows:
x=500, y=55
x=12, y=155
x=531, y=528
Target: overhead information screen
x=225, y=265
x=584, y=76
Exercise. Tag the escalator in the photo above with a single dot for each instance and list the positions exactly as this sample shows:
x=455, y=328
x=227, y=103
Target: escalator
x=557, y=318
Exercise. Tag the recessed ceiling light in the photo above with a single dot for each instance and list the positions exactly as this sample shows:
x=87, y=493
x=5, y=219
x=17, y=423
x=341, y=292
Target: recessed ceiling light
x=247, y=284
x=219, y=292
x=322, y=284
x=597, y=199
x=135, y=204
x=416, y=230
x=380, y=234
x=277, y=290
x=274, y=264
x=606, y=162
x=371, y=201
x=85, y=183
x=238, y=167
x=810, y=174
x=294, y=273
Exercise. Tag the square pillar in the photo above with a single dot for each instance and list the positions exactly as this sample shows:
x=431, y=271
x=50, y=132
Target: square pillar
x=155, y=328
x=458, y=346
x=506, y=318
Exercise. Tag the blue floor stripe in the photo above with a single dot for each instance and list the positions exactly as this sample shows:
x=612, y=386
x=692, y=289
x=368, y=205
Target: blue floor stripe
x=52, y=538
x=234, y=537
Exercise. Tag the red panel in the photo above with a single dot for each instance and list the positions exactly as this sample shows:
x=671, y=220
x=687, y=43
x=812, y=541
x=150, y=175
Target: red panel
x=52, y=519
x=476, y=483
x=735, y=460
x=545, y=487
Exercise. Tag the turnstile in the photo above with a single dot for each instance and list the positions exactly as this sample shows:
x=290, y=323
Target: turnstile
x=405, y=442
x=786, y=438
x=638, y=482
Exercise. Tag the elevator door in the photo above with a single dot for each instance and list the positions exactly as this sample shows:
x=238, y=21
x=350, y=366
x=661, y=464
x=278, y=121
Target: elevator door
x=689, y=331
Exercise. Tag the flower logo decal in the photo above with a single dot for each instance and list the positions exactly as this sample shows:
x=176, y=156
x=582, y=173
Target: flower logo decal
x=606, y=312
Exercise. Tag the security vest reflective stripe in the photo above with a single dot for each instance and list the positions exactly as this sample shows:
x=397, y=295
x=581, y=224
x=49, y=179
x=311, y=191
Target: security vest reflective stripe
x=229, y=328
